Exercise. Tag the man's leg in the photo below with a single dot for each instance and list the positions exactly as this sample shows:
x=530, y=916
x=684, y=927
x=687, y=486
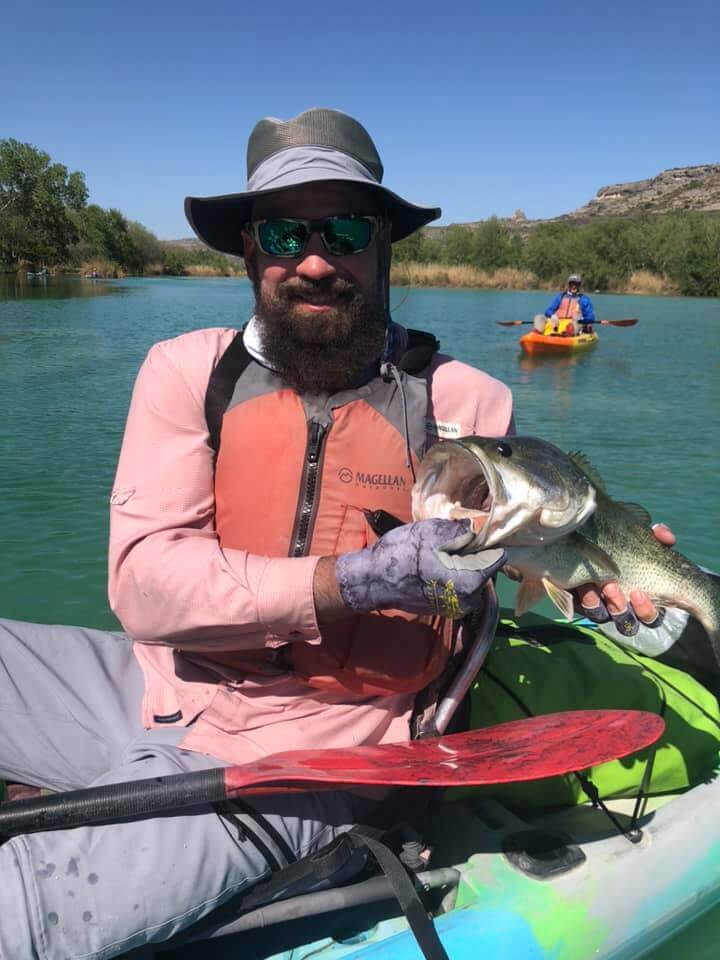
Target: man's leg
x=69, y=703
x=69, y=717
x=98, y=892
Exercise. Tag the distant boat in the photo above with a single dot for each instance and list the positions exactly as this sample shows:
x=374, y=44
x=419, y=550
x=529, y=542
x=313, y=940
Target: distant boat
x=535, y=342
x=39, y=274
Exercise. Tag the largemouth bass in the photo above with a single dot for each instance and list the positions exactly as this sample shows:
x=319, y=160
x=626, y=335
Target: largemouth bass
x=552, y=514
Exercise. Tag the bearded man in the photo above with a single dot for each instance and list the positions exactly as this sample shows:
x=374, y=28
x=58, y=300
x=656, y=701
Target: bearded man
x=262, y=610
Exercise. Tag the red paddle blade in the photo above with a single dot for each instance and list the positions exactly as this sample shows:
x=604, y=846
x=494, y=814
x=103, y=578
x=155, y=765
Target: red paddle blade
x=630, y=322
x=530, y=749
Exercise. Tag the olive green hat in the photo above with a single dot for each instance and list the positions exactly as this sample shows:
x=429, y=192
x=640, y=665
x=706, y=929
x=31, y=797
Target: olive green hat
x=317, y=146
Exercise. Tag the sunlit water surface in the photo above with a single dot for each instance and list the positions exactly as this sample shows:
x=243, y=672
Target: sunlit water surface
x=643, y=406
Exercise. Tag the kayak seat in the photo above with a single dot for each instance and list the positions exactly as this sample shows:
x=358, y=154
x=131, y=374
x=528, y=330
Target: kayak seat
x=337, y=892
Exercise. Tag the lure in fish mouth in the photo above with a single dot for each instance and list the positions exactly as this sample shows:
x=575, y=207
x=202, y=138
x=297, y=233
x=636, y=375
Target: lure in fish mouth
x=550, y=511
x=517, y=491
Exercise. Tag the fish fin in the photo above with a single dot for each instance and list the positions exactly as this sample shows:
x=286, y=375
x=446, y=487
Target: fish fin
x=581, y=461
x=562, y=599
x=637, y=511
x=529, y=593
x=594, y=556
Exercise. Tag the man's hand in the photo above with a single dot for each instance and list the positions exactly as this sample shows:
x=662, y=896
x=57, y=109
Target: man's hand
x=418, y=567
x=610, y=603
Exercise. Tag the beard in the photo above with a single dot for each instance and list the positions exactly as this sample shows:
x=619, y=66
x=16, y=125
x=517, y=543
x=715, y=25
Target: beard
x=324, y=352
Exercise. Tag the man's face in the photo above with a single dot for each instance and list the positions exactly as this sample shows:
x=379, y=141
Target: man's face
x=573, y=287
x=322, y=316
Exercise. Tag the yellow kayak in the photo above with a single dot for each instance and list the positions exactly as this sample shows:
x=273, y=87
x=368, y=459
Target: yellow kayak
x=535, y=342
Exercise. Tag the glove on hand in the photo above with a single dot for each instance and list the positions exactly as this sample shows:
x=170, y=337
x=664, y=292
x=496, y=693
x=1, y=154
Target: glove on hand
x=419, y=567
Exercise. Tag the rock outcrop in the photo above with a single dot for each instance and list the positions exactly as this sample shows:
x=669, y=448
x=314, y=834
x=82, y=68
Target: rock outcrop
x=678, y=189
x=681, y=188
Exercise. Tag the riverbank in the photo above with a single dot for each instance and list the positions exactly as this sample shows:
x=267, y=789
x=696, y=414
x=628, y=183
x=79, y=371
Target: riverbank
x=403, y=274
x=462, y=276
x=107, y=270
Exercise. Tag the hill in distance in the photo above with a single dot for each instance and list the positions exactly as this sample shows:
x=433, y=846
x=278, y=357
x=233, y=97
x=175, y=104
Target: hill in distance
x=681, y=188
x=678, y=189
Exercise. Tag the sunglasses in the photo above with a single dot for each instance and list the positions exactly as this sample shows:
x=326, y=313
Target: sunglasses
x=289, y=236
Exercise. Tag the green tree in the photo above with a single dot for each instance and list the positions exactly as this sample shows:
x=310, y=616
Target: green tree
x=543, y=253
x=688, y=251
x=174, y=261
x=413, y=249
x=37, y=200
x=457, y=244
x=494, y=246
x=106, y=233
x=148, y=247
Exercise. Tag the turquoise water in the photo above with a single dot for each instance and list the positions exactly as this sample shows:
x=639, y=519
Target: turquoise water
x=643, y=406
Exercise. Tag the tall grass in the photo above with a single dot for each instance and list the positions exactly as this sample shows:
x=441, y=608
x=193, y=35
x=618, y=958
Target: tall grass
x=411, y=274
x=101, y=268
x=210, y=270
x=650, y=284
x=444, y=275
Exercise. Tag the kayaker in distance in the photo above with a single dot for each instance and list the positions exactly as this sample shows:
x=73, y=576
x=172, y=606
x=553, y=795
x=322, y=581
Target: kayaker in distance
x=569, y=314
x=261, y=612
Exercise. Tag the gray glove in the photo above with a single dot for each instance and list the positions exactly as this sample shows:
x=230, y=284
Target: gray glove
x=418, y=567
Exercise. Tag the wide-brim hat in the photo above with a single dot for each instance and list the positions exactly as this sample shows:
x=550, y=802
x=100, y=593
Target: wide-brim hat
x=317, y=146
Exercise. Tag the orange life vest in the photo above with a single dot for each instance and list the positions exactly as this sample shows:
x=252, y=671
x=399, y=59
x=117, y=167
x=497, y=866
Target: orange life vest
x=296, y=481
x=569, y=308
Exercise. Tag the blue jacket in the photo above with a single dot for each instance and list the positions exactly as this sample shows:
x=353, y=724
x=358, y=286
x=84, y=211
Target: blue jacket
x=586, y=307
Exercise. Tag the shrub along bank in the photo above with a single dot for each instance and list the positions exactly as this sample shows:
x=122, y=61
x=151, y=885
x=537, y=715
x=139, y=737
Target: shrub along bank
x=662, y=253
x=46, y=221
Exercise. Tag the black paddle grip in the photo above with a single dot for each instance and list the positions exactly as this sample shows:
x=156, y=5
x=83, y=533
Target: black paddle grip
x=114, y=801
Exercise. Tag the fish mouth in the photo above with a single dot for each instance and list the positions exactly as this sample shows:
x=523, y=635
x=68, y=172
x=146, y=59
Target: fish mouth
x=455, y=483
x=519, y=493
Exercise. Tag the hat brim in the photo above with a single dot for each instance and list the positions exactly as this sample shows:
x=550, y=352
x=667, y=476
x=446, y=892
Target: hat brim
x=218, y=221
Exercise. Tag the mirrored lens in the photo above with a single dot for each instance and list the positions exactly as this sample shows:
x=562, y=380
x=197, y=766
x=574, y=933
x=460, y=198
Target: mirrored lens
x=344, y=235
x=283, y=238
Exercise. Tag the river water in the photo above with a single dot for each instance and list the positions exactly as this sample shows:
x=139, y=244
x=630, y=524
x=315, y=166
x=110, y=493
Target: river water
x=643, y=406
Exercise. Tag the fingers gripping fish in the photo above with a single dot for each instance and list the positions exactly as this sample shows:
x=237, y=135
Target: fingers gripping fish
x=552, y=514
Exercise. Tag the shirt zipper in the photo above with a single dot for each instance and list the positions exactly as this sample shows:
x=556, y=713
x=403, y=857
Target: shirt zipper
x=310, y=489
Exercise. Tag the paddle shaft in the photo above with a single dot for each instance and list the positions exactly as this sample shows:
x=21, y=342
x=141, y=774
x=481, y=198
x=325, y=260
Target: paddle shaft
x=629, y=322
x=528, y=749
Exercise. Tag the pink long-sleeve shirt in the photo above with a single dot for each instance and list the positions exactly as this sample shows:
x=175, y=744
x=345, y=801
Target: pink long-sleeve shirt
x=179, y=595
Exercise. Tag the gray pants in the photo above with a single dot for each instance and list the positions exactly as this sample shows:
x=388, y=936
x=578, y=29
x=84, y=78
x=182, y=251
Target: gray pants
x=69, y=718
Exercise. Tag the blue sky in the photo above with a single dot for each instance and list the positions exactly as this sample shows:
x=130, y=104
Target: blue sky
x=479, y=108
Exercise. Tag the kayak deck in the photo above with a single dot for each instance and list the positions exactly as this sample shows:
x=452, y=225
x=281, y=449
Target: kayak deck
x=535, y=342
x=570, y=899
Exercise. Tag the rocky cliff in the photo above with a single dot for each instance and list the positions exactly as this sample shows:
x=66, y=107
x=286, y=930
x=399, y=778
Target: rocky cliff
x=678, y=189
x=681, y=188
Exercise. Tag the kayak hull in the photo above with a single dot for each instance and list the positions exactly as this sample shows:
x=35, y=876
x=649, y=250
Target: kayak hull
x=535, y=342
x=619, y=900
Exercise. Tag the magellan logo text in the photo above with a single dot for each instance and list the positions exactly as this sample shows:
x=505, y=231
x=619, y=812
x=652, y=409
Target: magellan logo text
x=379, y=479
x=363, y=479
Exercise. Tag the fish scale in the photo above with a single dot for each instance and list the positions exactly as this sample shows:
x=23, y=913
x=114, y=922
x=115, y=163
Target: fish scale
x=551, y=513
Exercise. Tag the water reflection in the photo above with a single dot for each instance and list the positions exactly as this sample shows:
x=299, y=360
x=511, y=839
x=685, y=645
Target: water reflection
x=531, y=361
x=19, y=286
x=556, y=376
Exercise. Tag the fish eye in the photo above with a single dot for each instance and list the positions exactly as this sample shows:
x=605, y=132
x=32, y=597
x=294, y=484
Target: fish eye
x=504, y=449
